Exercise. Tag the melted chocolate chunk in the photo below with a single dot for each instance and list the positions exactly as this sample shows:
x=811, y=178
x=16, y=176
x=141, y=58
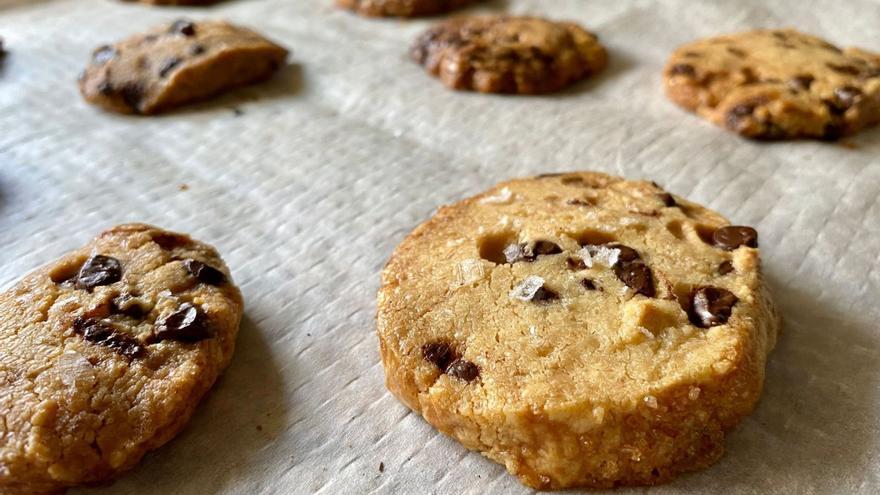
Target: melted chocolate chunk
x=846, y=97
x=463, y=370
x=103, y=55
x=124, y=304
x=667, y=200
x=734, y=236
x=169, y=241
x=801, y=83
x=530, y=252
x=106, y=88
x=97, y=271
x=438, y=353
x=589, y=284
x=627, y=253
x=576, y=264
x=682, y=70
x=184, y=27
x=204, y=273
x=725, y=267
x=738, y=113
x=168, y=66
x=711, y=306
x=546, y=248
x=197, y=49
x=637, y=276
x=132, y=94
x=98, y=332
x=187, y=324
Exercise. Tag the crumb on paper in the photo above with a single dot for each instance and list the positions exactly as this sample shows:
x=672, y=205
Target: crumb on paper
x=526, y=290
x=381, y=467
x=504, y=196
x=183, y=187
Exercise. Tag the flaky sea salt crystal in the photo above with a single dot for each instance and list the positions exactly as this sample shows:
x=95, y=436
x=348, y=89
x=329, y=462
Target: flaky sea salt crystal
x=504, y=196
x=533, y=330
x=469, y=271
x=694, y=393
x=74, y=370
x=527, y=289
x=646, y=332
x=513, y=252
x=650, y=401
x=602, y=255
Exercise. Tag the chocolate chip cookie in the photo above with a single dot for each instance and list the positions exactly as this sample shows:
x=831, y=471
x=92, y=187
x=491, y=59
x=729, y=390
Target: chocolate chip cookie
x=499, y=54
x=402, y=8
x=777, y=84
x=177, y=63
x=581, y=329
x=105, y=353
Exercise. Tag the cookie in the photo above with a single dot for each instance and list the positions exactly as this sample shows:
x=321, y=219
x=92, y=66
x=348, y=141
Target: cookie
x=499, y=54
x=105, y=353
x=777, y=84
x=175, y=64
x=402, y=8
x=581, y=329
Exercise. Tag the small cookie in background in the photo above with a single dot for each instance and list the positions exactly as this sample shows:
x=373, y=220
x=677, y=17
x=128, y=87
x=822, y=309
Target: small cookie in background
x=581, y=329
x=178, y=63
x=515, y=55
x=105, y=353
x=402, y=8
x=777, y=84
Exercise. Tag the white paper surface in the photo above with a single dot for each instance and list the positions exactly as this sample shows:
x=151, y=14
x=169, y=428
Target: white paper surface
x=332, y=163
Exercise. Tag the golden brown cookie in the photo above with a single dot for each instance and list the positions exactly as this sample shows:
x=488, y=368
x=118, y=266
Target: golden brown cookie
x=105, y=353
x=499, y=54
x=581, y=329
x=178, y=63
x=402, y=8
x=777, y=84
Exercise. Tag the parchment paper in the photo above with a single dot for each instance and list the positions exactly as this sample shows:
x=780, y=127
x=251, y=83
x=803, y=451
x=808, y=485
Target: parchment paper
x=307, y=192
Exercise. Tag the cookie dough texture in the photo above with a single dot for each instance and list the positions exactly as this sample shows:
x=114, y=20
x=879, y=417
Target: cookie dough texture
x=499, y=54
x=105, y=353
x=624, y=367
x=177, y=63
x=402, y=8
x=777, y=84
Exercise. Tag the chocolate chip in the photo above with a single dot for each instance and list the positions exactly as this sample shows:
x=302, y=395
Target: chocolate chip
x=543, y=294
x=124, y=304
x=105, y=88
x=104, y=334
x=197, y=49
x=103, y=55
x=132, y=94
x=738, y=113
x=801, y=83
x=546, y=248
x=725, y=267
x=637, y=276
x=736, y=51
x=464, y=370
x=438, y=353
x=833, y=130
x=682, y=70
x=844, y=69
x=98, y=270
x=205, y=273
x=667, y=200
x=589, y=284
x=183, y=27
x=734, y=236
x=711, y=306
x=627, y=253
x=169, y=240
x=168, y=66
x=576, y=264
x=846, y=97
x=187, y=324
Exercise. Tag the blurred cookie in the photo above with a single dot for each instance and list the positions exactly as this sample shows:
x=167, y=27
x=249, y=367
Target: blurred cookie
x=177, y=63
x=105, y=353
x=499, y=54
x=402, y=8
x=777, y=84
x=581, y=329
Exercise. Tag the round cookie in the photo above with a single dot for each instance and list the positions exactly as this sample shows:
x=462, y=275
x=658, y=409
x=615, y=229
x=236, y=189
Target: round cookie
x=402, y=8
x=105, y=353
x=499, y=54
x=581, y=329
x=777, y=84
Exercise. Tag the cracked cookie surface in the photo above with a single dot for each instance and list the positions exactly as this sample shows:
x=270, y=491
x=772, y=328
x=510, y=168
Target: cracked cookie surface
x=175, y=64
x=777, y=84
x=581, y=329
x=403, y=8
x=500, y=54
x=105, y=353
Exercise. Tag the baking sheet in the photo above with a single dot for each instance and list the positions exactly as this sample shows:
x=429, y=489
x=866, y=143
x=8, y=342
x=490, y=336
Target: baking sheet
x=328, y=166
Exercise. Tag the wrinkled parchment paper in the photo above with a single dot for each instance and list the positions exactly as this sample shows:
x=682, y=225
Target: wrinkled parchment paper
x=307, y=192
